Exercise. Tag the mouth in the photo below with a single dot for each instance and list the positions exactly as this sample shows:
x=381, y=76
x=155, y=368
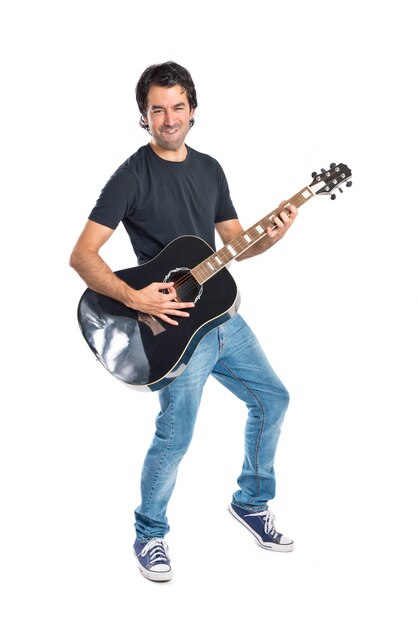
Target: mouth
x=169, y=131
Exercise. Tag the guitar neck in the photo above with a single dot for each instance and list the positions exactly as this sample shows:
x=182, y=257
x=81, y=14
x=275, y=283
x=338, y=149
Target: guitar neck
x=220, y=259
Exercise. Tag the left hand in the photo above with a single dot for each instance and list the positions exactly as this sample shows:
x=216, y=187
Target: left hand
x=284, y=222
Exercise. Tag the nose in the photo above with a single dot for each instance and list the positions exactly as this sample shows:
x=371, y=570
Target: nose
x=169, y=118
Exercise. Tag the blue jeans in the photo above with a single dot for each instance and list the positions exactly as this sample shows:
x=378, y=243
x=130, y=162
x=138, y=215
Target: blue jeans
x=232, y=354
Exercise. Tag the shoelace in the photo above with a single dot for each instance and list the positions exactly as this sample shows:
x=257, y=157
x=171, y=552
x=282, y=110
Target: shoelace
x=268, y=519
x=158, y=551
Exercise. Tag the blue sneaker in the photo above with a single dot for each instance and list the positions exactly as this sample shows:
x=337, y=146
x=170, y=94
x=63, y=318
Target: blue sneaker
x=261, y=525
x=153, y=559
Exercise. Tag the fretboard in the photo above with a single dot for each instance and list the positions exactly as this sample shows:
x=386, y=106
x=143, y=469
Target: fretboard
x=220, y=259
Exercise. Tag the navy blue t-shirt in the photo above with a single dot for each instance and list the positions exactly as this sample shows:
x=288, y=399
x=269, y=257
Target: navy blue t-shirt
x=158, y=200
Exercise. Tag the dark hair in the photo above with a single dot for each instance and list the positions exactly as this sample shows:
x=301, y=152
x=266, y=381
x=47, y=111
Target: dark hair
x=164, y=75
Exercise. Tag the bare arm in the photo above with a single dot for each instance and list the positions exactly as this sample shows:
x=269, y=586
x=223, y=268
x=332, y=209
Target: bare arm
x=230, y=229
x=87, y=262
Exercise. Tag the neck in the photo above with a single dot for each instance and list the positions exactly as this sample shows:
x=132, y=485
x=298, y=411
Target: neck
x=179, y=154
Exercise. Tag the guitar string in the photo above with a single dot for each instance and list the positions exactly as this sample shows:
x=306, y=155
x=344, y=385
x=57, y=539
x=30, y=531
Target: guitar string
x=186, y=284
x=297, y=200
x=236, y=243
x=207, y=273
x=188, y=276
x=189, y=281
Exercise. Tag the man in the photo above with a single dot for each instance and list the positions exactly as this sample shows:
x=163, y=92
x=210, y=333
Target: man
x=163, y=191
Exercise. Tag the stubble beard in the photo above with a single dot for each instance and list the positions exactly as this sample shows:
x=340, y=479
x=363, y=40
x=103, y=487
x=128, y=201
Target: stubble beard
x=165, y=141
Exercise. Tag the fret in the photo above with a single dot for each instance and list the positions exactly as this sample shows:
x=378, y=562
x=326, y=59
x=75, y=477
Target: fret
x=220, y=259
x=301, y=197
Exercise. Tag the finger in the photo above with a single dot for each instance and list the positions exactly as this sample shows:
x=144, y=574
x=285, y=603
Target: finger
x=288, y=209
x=288, y=215
x=167, y=319
x=170, y=294
x=178, y=313
x=171, y=300
x=291, y=212
x=174, y=308
x=281, y=221
x=175, y=304
x=284, y=218
x=271, y=232
x=163, y=286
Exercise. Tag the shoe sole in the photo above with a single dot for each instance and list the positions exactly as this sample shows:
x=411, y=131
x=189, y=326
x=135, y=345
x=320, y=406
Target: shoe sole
x=275, y=547
x=156, y=577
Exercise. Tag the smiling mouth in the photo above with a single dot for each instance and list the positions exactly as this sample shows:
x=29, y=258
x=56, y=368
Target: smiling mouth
x=170, y=131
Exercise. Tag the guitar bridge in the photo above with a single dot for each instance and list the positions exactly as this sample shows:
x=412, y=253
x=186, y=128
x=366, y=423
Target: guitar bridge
x=151, y=322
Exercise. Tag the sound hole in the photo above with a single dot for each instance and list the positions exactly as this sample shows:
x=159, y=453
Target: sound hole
x=186, y=286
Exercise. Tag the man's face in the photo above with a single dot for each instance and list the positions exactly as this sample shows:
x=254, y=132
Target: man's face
x=168, y=117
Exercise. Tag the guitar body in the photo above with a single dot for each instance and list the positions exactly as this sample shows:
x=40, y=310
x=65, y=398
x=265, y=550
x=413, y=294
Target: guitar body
x=141, y=350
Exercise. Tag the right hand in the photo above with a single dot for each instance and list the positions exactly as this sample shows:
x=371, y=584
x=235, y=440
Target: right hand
x=153, y=301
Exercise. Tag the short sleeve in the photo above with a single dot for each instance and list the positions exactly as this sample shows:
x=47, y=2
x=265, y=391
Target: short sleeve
x=117, y=199
x=225, y=209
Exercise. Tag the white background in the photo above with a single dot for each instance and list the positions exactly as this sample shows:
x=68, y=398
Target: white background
x=284, y=88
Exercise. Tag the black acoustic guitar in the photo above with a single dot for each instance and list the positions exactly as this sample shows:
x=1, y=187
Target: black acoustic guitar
x=147, y=353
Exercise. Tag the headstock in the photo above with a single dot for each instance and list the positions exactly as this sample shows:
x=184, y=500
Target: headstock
x=329, y=180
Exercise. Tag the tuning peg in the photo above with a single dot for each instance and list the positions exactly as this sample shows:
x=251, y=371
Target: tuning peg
x=314, y=174
x=333, y=165
x=350, y=182
x=323, y=171
x=333, y=196
x=340, y=190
